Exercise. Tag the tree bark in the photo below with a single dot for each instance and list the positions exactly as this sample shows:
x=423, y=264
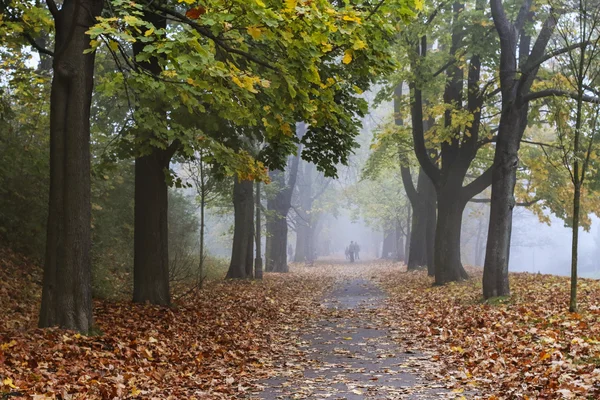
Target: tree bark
x=66, y=291
x=242, y=253
x=447, y=261
x=151, y=244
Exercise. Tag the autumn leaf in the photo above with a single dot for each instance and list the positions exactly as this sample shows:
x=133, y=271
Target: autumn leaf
x=254, y=31
x=195, y=13
x=347, y=57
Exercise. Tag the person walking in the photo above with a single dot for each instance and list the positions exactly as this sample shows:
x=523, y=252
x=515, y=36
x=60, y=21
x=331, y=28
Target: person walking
x=351, y=250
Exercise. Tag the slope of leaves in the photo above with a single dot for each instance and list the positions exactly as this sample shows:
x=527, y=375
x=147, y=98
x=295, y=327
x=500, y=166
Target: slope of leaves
x=20, y=283
x=525, y=346
x=216, y=345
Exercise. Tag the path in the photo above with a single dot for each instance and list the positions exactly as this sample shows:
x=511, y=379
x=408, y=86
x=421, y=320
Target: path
x=351, y=354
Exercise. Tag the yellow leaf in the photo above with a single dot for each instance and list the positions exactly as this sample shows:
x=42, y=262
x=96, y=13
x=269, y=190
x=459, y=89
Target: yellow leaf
x=290, y=5
x=149, y=32
x=265, y=83
x=8, y=345
x=347, y=57
x=135, y=391
x=347, y=338
x=254, y=31
x=351, y=19
x=8, y=382
x=113, y=45
x=260, y=3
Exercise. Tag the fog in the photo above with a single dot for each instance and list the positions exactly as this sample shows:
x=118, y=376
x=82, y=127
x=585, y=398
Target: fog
x=536, y=246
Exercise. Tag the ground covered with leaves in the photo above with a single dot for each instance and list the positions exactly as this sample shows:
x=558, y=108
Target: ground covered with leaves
x=233, y=338
x=527, y=346
x=217, y=344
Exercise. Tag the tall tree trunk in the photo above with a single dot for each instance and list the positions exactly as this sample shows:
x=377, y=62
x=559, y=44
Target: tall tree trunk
x=203, y=193
x=448, y=266
x=495, y=272
x=279, y=207
x=513, y=121
x=304, y=218
x=423, y=202
x=151, y=245
x=400, y=255
x=243, y=233
x=408, y=233
x=66, y=291
x=258, y=262
x=151, y=231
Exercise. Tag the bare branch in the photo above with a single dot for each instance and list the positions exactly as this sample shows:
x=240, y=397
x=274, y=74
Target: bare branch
x=35, y=45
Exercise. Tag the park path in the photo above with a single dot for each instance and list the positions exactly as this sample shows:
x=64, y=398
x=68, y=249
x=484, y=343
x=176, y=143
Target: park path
x=352, y=354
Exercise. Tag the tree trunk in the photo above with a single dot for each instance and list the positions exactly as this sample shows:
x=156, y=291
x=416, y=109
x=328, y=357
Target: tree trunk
x=243, y=232
x=495, y=271
x=408, y=233
x=279, y=207
x=400, y=255
x=66, y=291
x=203, y=193
x=422, y=236
x=304, y=218
x=389, y=244
x=258, y=262
x=151, y=243
x=448, y=266
x=277, y=228
x=431, y=215
x=513, y=122
x=151, y=231
x=278, y=245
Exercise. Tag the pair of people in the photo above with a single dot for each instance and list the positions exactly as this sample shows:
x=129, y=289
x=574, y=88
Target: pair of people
x=352, y=251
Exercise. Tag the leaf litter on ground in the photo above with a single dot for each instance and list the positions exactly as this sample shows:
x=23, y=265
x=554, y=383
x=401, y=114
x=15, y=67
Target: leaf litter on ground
x=228, y=339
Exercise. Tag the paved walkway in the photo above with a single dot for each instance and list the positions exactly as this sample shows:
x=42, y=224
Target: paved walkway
x=351, y=355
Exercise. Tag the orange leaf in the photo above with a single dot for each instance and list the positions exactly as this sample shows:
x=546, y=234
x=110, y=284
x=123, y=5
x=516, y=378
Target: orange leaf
x=195, y=13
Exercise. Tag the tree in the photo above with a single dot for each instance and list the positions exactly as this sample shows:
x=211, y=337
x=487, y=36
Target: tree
x=260, y=77
x=518, y=68
x=278, y=206
x=575, y=119
x=151, y=232
x=67, y=294
x=449, y=132
x=205, y=185
x=423, y=203
x=242, y=255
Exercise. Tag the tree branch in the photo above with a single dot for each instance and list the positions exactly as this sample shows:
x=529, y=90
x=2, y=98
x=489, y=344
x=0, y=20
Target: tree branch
x=560, y=93
x=409, y=186
x=53, y=8
x=40, y=49
x=478, y=185
x=219, y=42
x=522, y=204
x=536, y=63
